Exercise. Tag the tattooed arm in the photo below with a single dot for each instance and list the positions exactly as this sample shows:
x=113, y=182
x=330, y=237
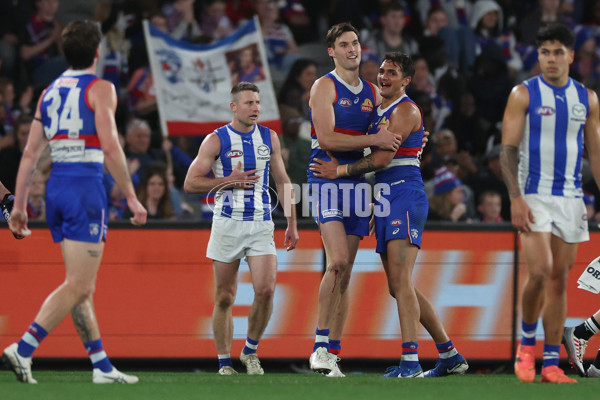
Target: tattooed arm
x=405, y=119
x=513, y=126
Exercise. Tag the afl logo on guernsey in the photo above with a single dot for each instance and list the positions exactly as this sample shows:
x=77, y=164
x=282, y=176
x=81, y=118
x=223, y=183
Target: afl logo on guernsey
x=545, y=111
x=234, y=153
x=367, y=105
x=345, y=103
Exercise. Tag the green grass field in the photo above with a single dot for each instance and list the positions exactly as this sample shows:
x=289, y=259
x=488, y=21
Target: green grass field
x=64, y=385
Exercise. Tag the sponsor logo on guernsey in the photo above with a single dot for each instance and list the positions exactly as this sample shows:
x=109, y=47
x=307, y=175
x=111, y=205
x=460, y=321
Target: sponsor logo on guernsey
x=66, y=82
x=234, y=153
x=545, y=111
x=345, y=102
x=367, y=105
x=578, y=111
x=382, y=121
x=396, y=222
x=263, y=152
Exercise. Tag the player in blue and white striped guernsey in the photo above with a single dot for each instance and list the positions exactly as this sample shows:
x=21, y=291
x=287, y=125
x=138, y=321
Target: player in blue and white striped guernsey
x=240, y=155
x=550, y=117
x=75, y=117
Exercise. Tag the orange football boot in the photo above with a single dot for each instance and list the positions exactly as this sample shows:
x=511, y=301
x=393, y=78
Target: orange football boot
x=525, y=363
x=553, y=374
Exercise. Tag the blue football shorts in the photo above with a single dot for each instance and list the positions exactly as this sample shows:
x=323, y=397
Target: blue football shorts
x=348, y=203
x=401, y=214
x=76, y=209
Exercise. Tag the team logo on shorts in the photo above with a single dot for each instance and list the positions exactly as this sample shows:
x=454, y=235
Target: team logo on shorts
x=94, y=229
x=414, y=233
x=396, y=222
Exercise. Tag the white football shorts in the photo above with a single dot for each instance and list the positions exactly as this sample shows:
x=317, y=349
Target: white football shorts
x=232, y=239
x=565, y=217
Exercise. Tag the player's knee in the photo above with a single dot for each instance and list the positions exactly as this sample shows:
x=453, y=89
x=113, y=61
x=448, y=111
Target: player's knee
x=338, y=266
x=264, y=294
x=539, y=278
x=81, y=290
x=225, y=300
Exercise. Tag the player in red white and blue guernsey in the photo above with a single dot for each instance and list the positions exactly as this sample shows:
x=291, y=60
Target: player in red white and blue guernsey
x=340, y=106
x=400, y=214
x=75, y=115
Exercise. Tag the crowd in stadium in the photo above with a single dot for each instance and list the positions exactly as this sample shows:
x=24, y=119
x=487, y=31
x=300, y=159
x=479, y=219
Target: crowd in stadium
x=468, y=55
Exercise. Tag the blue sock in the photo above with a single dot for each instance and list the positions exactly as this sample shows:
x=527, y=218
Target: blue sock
x=98, y=356
x=251, y=346
x=335, y=346
x=551, y=355
x=447, y=352
x=410, y=356
x=225, y=361
x=31, y=340
x=528, y=330
x=321, y=339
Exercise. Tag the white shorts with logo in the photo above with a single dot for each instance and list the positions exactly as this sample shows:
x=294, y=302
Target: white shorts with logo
x=232, y=239
x=565, y=217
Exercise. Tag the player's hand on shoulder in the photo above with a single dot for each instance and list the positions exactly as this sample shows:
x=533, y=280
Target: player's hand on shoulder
x=387, y=140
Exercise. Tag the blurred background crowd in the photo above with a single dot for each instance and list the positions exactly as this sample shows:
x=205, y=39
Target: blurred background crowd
x=468, y=55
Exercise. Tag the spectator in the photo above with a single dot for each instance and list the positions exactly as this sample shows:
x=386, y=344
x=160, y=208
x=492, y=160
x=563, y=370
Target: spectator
x=141, y=100
x=489, y=207
x=181, y=22
x=458, y=12
x=369, y=65
x=487, y=22
x=280, y=44
x=489, y=178
x=295, y=90
x=458, y=39
x=137, y=147
x=9, y=39
x=41, y=46
x=391, y=38
x=214, y=22
x=548, y=11
x=586, y=66
x=10, y=157
x=448, y=200
x=153, y=193
x=490, y=83
x=36, y=203
x=469, y=128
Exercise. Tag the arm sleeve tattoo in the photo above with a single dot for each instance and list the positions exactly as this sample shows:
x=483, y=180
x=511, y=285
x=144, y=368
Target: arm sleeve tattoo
x=509, y=160
x=362, y=166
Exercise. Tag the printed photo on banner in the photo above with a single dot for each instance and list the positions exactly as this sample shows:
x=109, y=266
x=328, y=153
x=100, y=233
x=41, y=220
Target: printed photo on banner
x=193, y=81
